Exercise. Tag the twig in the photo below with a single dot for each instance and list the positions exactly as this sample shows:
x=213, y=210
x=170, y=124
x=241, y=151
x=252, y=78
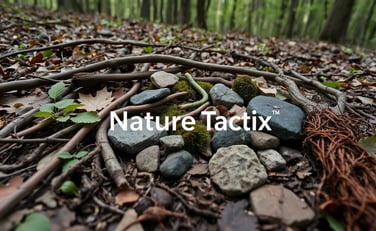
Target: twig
x=57, y=181
x=17, y=123
x=37, y=140
x=18, y=171
x=107, y=207
x=197, y=87
x=202, y=212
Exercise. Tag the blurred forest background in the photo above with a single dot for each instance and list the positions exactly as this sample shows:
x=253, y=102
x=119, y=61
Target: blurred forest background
x=350, y=22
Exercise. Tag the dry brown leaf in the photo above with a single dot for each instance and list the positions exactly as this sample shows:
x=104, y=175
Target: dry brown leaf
x=97, y=103
x=12, y=103
x=126, y=196
x=268, y=91
x=10, y=187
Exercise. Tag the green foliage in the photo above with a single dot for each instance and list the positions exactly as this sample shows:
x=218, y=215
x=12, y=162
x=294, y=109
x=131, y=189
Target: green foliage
x=34, y=221
x=68, y=188
x=148, y=49
x=245, y=87
x=205, y=85
x=334, y=224
x=61, y=111
x=71, y=159
x=196, y=139
x=47, y=53
x=332, y=84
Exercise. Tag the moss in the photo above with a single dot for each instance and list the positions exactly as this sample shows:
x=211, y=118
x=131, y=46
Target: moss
x=171, y=111
x=205, y=85
x=196, y=139
x=245, y=87
x=183, y=85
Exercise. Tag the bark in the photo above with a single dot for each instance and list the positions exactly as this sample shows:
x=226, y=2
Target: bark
x=155, y=10
x=249, y=16
x=145, y=9
x=336, y=26
x=311, y=17
x=291, y=18
x=201, y=14
x=175, y=12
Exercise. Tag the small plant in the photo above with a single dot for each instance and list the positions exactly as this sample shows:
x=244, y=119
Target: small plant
x=70, y=160
x=245, y=87
x=61, y=111
x=34, y=221
x=68, y=188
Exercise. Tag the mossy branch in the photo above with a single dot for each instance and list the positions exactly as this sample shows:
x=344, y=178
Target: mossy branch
x=196, y=86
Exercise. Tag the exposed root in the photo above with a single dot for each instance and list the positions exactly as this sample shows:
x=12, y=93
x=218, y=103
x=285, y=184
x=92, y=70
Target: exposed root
x=349, y=172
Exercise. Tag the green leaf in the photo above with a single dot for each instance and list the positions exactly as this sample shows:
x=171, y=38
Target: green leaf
x=81, y=154
x=63, y=119
x=334, y=224
x=86, y=118
x=48, y=107
x=47, y=53
x=64, y=103
x=148, y=49
x=56, y=90
x=69, y=188
x=72, y=107
x=34, y=221
x=369, y=144
x=332, y=84
x=43, y=114
x=69, y=164
x=65, y=156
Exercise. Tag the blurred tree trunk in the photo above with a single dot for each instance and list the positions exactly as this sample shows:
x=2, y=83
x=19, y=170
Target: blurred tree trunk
x=291, y=18
x=175, y=12
x=311, y=17
x=145, y=9
x=233, y=12
x=185, y=11
x=368, y=20
x=161, y=18
x=169, y=11
x=281, y=17
x=104, y=7
x=155, y=10
x=201, y=14
x=336, y=26
x=249, y=15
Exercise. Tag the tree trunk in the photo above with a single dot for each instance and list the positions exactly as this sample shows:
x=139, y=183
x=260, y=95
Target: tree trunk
x=233, y=12
x=201, y=14
x=338, y=21
x=161, y=18
x=368, y=20
x=145, y=9
x=249, y=15
x=291, y=18
x=281, y=17
x=175, y=12
x=185, y=11
x=155, y=10
x=169, y=11
x=311, y=17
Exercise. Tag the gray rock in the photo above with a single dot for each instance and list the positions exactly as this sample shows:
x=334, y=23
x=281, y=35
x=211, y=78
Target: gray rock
x=228, y=137
x=262, y=141
x=132, y=142
x=148, y=159
x=290, y=154
x=236, y=170
x=274, y=203
x=148, y=96
x=172, y=142
x=176, y=164
x=222, y=95
x=271, y=159
x=286, y=125
x=162, y=79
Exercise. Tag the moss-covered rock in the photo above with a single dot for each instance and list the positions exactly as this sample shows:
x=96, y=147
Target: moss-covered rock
x=193, y=140
x=171, y=111
x=245, y=87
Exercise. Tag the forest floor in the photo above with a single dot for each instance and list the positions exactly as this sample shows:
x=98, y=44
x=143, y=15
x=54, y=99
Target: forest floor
x=39, y=47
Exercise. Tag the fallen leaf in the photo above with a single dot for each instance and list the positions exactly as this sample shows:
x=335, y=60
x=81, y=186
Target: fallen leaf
x=126, y=196
x=365, y=100
x=268, y=91
x=199, y=169
x=37, y=58
x=234, y=218
x=366, y=83
x=129, y=216
x=61, y=218
x=12, y=103
x=9, y=188
x=97, y=103
x=369, y=144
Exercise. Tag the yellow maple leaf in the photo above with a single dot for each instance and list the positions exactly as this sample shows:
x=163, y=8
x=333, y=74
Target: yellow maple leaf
x=97, y=103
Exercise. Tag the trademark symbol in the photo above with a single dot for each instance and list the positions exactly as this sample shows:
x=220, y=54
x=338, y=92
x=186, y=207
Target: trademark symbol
x=275, y=111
